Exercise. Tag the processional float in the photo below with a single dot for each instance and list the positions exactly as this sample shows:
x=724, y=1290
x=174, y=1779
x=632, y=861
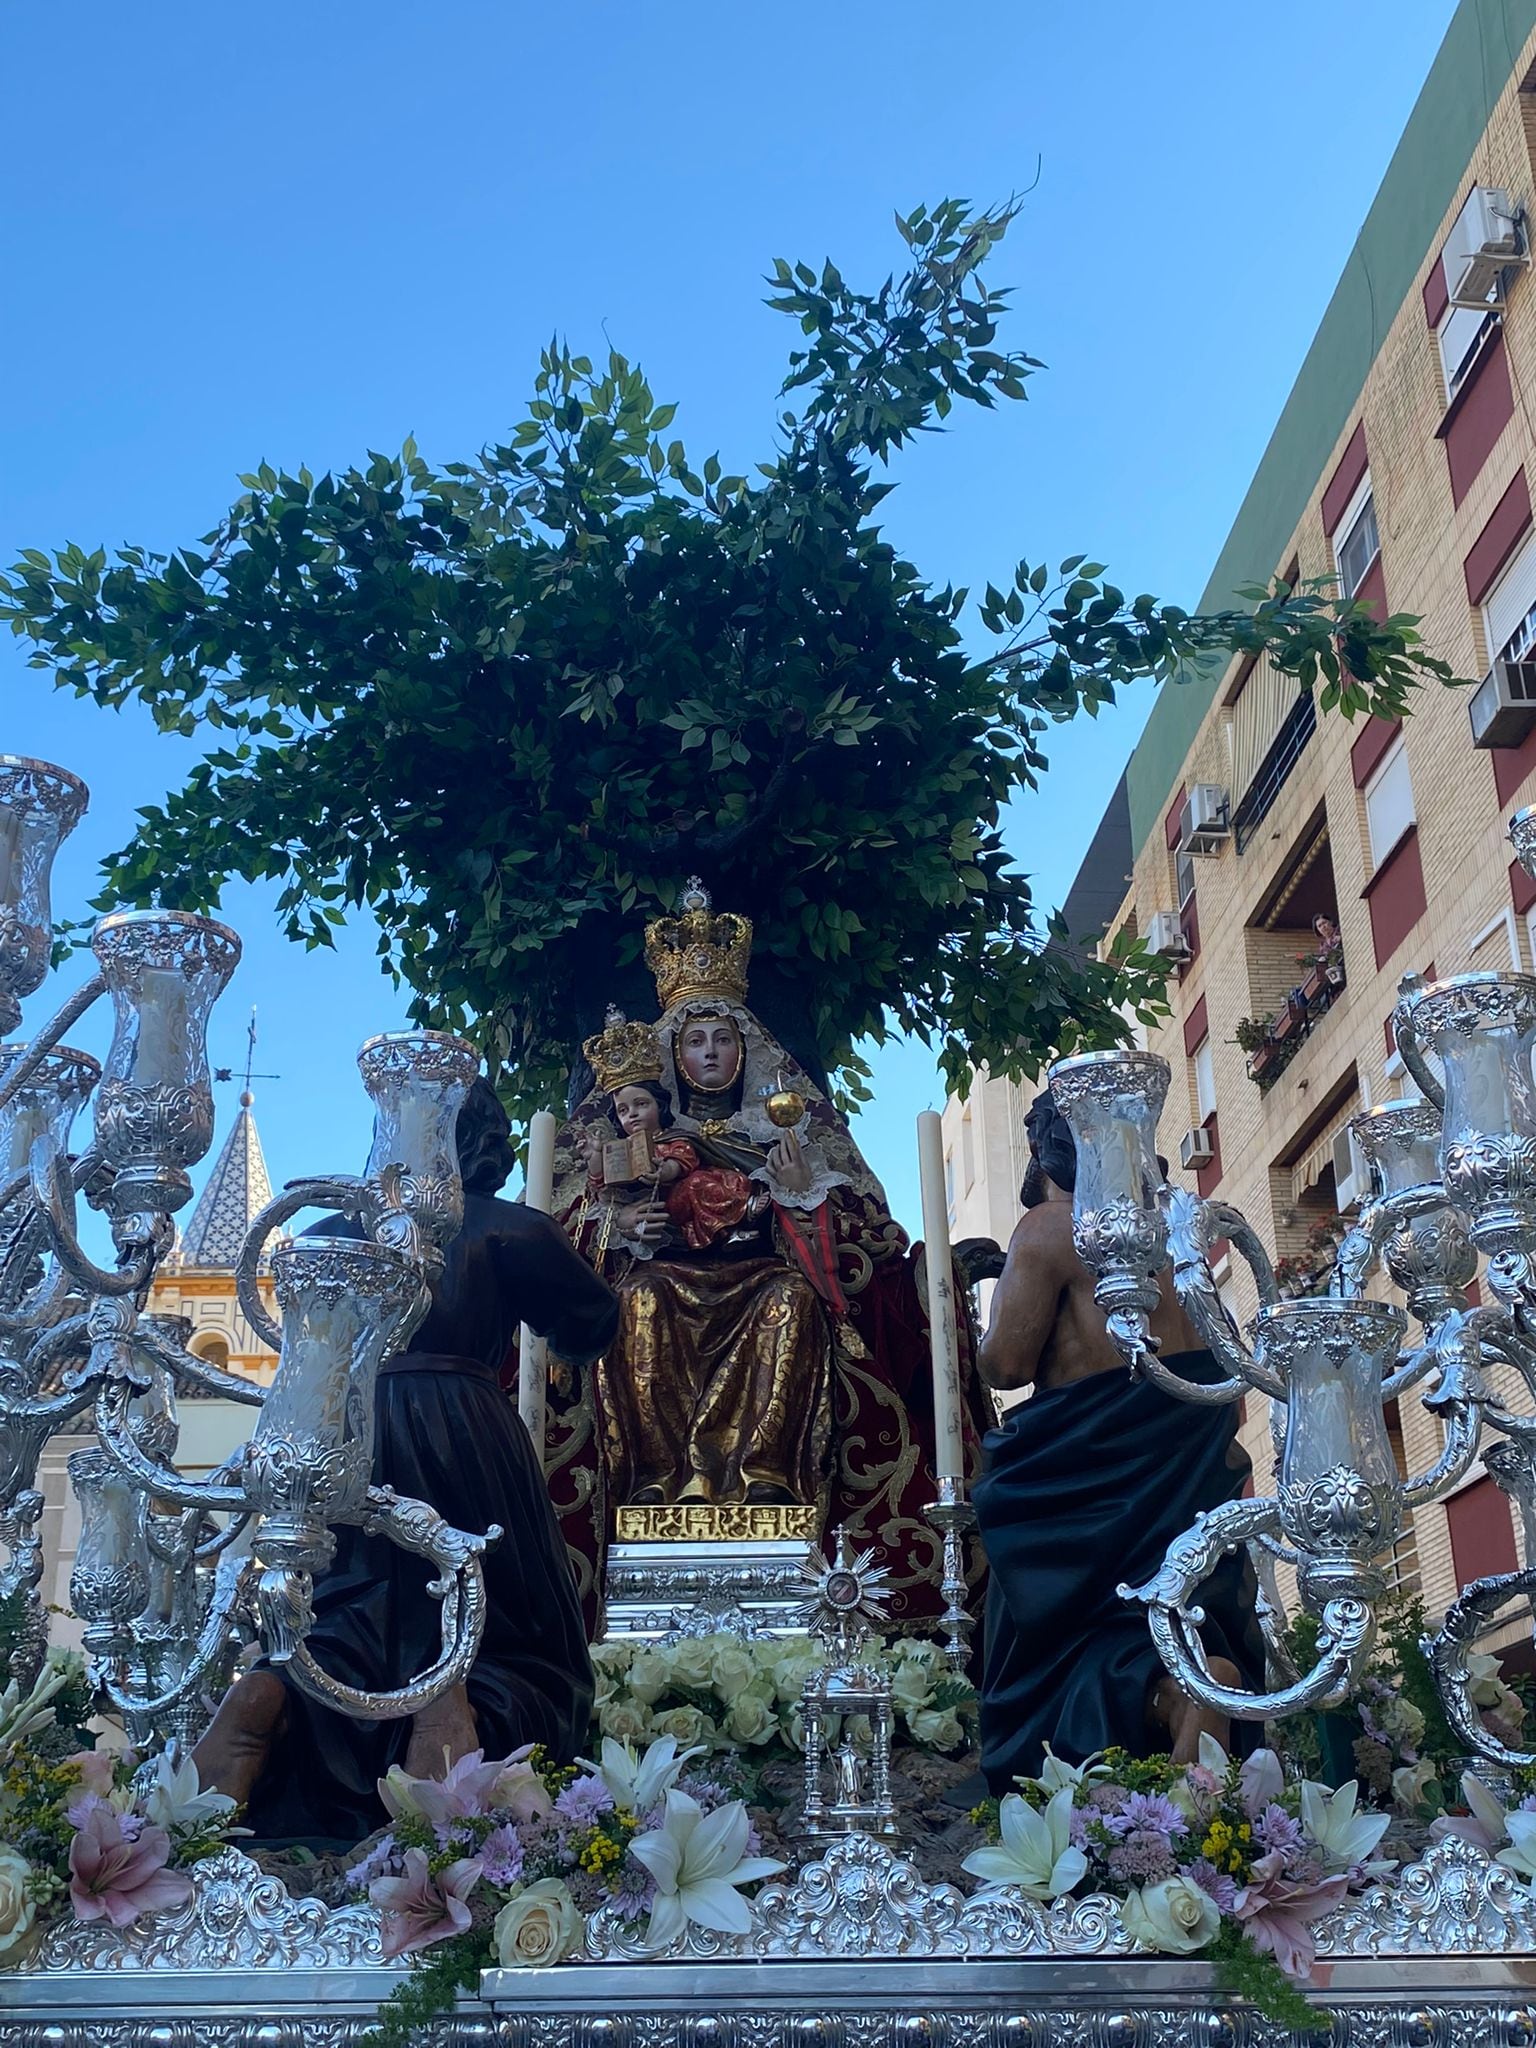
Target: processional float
x=1454, y=1176
x=168, y=1566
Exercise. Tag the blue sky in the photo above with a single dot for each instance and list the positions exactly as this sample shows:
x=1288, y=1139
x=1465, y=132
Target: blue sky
x=297, y=232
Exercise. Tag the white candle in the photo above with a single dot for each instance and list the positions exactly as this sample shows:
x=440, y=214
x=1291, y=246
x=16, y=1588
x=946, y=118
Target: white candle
x=532, y=1351
x=949, y=1462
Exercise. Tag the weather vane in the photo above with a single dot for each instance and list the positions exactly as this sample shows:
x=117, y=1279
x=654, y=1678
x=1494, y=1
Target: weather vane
x=228, y=1073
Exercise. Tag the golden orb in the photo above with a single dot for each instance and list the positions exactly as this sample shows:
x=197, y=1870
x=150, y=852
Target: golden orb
x=785, y=1108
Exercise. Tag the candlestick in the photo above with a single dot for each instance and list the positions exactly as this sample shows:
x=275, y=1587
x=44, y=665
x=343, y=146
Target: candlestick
x=949, y=1444
x=532, y=1351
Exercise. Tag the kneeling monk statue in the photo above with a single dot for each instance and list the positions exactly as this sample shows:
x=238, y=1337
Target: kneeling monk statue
x=1087, y=1483
x=446, y=1433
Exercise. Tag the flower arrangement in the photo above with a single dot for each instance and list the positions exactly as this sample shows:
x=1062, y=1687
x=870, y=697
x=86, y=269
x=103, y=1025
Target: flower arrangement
x=503, y=1862
x=725, y=1693
x=87, y=1830
x=1219, y=1858
x=1309, y=1270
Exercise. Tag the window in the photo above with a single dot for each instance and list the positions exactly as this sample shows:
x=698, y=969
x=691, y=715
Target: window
x=968, y=1148
x=1461, y=329
x=1183, y=877
x=1205, y=1081
x=1356, y=542
x=1509, y=609
x=949, y=1184
x=1389, y=802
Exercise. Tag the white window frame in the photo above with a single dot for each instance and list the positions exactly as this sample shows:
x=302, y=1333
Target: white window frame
x=1355, y=511
x=1502, y=921
x=1183, y=877
x=1509, y=609
x=1203, y=1061
x=1392, y=763
x=1457, y=337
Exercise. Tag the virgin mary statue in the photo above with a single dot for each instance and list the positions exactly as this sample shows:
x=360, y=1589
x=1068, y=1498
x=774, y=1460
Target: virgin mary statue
x=772, y=1347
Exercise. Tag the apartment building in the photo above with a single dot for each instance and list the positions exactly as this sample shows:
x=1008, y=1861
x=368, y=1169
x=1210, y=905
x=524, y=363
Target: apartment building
x=1299, y=866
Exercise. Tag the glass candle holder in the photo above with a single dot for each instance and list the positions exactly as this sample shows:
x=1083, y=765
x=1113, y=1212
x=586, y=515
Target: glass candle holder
x=1483, y=1027
x=164, y=970
x=45, y=1105
x=345, y=1303
x=109, y=1581
x=1428, y=1252
x=39, y=807
x=1340, y=1490
x=1112, y=1101
x=417, y=1082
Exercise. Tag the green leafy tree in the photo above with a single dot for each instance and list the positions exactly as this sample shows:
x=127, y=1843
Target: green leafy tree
x=509, y=705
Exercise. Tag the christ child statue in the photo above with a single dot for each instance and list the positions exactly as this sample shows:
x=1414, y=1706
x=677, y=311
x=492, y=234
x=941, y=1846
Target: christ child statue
x=701, y=1201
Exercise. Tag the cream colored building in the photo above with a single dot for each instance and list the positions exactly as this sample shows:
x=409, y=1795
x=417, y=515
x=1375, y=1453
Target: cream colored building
x=1403, y=464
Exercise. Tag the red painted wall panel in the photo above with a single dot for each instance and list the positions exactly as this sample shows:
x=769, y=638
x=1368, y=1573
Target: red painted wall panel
x=1479, y=413
x=1482, y=1534
x=1207, y=1177
x=1395, y=894
x=1511, y=766
x=1373, y=742
x=1345, y=480
x=1496, y=543
x=1197, y=1026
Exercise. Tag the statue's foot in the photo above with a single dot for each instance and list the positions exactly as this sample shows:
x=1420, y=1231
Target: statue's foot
x=648, y=1497
x=763, y=1493
x=232, y=1755
x=441, y=1734
x=1182, y=1721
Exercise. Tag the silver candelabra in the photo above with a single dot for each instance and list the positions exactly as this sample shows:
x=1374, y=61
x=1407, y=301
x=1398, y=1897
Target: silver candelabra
x=168, y=1568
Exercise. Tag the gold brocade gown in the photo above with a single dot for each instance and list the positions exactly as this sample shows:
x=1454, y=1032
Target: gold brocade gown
x=718, y=1387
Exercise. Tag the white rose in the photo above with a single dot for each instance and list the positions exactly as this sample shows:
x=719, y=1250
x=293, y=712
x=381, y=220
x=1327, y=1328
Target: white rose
x=1403, y=1721
x=792, y=1726
x=937, y=1730
x=537, y=1926
x=789, y=1675
x=686, y=1723
x=690, y=1660
x=649, y=1675
x=732, y=1670
x=1175, y=1917
x=911, y=1687
x=751, y=1720
x=1410, y=1785
x=625, y=1720
x=18, y=1910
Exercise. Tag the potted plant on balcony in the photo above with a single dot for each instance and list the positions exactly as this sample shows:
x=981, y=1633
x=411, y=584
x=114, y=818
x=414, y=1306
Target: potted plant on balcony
x=1315, y=979
x=1253, y=1036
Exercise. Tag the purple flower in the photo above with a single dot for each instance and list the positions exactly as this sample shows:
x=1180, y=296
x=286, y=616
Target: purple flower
x=1276, y=1829
x=502, y=1855
x=583, y=1800
x=1218, y=1887
x=1148, y=1812
x=1144, y=1857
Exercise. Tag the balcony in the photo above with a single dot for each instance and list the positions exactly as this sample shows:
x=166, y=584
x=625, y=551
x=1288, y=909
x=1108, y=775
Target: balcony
x=1272, y=721
x=1272, y=1042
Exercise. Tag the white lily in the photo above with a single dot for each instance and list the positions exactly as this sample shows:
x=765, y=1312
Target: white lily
x=1036, y=1853
x=698, y=1860
x=171, y=1796
x=21, y=1717
x=1344, y=1836
x=1056, y=1775
x=1520, y=1856
x=636, y=1783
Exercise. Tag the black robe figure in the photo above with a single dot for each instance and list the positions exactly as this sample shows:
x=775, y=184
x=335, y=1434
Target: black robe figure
x=446, y=1433
x=1086, y=1485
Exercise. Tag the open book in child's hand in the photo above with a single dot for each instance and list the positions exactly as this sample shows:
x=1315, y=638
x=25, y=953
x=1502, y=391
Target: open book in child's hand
x=629, y=1159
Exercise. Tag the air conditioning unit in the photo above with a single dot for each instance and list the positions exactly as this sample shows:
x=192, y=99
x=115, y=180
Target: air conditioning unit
x=1195, y=1147
x=1503, y=706
x=1165, y=935
x=1351, y=1170
x=1480, y=248
x=1203, y=823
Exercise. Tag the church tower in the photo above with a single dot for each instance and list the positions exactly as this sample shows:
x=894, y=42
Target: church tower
x=197, y=1279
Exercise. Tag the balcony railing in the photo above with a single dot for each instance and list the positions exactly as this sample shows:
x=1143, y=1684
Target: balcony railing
x=1272, y=722
x=1273, y=1042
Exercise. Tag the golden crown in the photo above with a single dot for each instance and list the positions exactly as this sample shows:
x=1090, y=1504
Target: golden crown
x=623, y=1054
x=700, y=952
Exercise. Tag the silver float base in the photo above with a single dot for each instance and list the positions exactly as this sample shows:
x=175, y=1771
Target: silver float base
x=1401, y=2002
x=753, y=1586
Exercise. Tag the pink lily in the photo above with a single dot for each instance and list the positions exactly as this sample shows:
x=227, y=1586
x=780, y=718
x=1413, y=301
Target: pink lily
x=114, y=1878
x=1278, y=1913
x=418, y=1909
x=463, y=1793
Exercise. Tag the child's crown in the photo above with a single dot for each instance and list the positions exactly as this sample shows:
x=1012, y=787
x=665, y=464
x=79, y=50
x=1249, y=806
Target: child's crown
x=623, y=1054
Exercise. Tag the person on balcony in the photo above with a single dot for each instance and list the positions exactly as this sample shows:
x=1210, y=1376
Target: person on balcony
x=1086, y=1484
